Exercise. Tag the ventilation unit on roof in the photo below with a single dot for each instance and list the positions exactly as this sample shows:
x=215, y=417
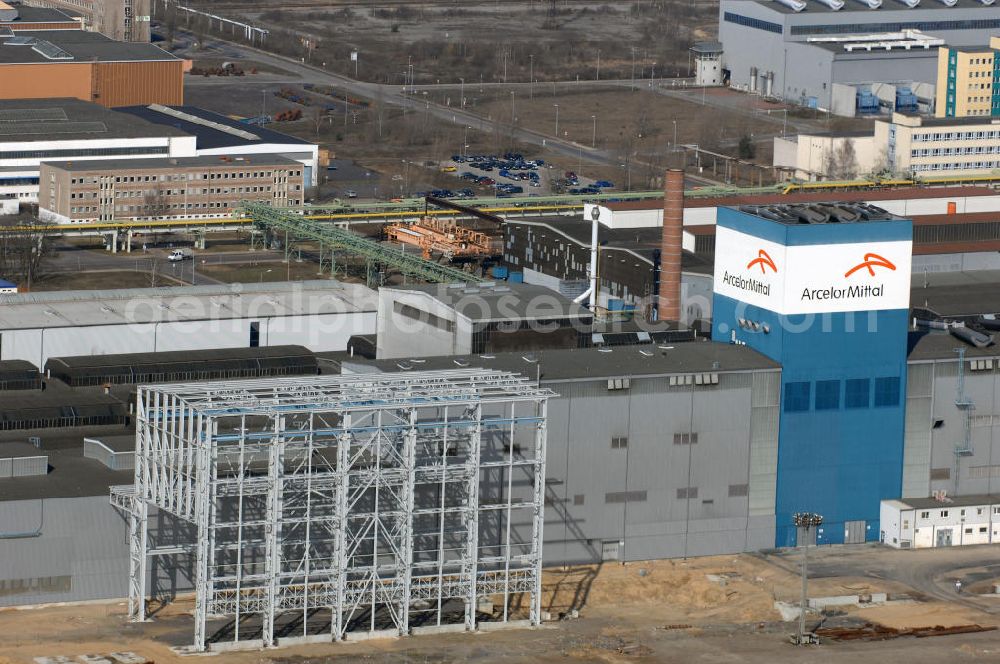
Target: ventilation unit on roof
x=794, y=5
x=871, y=4
x=194, y=119
x=835, y=5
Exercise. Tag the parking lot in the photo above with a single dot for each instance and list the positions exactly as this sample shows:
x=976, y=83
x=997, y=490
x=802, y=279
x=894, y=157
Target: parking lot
x=511, y=175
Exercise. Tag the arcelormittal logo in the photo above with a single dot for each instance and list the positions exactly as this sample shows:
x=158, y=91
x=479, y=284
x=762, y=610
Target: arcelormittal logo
x=764, y=260
x=871, y=262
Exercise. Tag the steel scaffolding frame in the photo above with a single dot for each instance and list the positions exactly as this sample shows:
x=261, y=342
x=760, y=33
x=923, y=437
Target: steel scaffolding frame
x=389, y=500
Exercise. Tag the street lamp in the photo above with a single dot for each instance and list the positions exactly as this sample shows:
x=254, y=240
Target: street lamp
x=593, y=132
x=531, y=76
x=804, y=521
x=512, y=116
x=557, y=119
x=462, y=93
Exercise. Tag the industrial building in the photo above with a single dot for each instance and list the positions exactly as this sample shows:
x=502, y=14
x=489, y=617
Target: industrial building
x=52, y=64
x=321, y=315
x=824, y=291
x=218, y=135
x=165, y=188
x=121, y=20
x=20, y=17
x=906, y=144
x=37, y=130
x=923, y=523
x=796, y=49
x=458, y=319
x=968, y=81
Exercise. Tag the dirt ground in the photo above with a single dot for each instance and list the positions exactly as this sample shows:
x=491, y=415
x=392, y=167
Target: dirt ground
x=717, y=609
x=100, y=280
x=510, y=41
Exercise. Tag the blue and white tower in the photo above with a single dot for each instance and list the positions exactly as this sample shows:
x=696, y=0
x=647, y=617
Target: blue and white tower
x=824, y=290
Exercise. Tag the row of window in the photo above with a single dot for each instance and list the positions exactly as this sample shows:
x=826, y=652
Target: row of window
x=683, y=493
x=944, y=513
x=164, y=177
x=93, y=152
x=897, y=26
x=955, y=136
x=829, y=395
x=146, y=208
x=956, y=166
x=756, y=23
x=950, y=152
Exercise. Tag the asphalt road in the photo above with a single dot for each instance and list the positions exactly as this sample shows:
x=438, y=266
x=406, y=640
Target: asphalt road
x=931, y=572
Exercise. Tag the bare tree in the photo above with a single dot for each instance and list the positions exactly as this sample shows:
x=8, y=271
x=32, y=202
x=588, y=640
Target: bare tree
x=841, y=162
x=22, y=247
x=155, y=203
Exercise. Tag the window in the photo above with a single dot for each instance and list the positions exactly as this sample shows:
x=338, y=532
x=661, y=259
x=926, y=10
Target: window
x=619, y=383
x=625, y=497
x=796, y=397
x=886, y=392
x=738, y=490
x=857, y=393
x=968, y=531
x=739, y=19
x=685, y=493
x=940, y=473
x=827, y=394
x=982, y=529
x=944, y=513
x=685, y=438
x=578, y=499
x=619, y=442
x=925, y=515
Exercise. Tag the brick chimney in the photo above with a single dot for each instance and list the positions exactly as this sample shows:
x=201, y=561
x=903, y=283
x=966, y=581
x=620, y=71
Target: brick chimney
x=669, y=305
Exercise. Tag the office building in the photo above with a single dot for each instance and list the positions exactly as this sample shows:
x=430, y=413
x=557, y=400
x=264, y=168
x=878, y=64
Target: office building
x=968, y=81
x=165, y=188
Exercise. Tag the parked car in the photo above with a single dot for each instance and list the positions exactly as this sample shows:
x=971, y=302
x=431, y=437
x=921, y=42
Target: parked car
x=350, y=193
x=448, y=169
x=604, y=183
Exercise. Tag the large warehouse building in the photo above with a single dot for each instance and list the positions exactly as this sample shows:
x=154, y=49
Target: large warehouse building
x=123, y=20
x=37, y=130
x=797, y=49
x=322, y=315
x=48, y=64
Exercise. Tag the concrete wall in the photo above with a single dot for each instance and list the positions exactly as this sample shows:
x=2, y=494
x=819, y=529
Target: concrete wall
x=413, y=324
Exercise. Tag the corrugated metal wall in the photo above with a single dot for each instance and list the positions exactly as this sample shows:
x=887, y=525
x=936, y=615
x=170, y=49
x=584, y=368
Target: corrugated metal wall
x=917, y=435
x=134, y=83
x=659, y=471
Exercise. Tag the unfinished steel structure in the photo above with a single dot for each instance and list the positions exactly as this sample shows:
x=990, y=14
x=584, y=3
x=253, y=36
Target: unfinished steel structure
x=330, y=505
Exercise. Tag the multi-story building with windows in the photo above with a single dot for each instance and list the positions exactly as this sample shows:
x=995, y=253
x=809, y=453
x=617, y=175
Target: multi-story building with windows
x=969, y=81
x=163, y=189
x=939, y=146
x=124, y=20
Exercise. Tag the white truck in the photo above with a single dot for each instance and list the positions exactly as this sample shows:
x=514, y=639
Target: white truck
x=178, y=255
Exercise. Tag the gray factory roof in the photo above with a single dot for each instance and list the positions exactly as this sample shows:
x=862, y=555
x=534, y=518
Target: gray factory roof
x=63, y=46
x=945, y=122
x=49, y=120
x=854, y=7
x=70, y=474
x=497, y=301
x=591, y=363
x=707, y=47
x=950, y=501
x=156, y=163
x=929, y=345
x=212, y=130
x=26, y=14
x=181, y=303
x=958, y=293
x=642, y=242
x=819, y=213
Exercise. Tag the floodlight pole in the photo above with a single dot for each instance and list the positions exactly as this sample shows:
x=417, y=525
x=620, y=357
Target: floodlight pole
x=805, y=520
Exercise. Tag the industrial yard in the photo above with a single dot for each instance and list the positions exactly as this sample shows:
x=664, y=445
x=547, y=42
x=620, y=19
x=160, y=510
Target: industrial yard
x=658, y=611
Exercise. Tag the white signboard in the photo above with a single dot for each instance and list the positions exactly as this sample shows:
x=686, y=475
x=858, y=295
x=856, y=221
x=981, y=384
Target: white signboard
x=807, y=279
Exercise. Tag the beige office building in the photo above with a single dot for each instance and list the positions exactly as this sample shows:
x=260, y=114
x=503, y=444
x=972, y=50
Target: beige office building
x=968, y=82
x=165, y=189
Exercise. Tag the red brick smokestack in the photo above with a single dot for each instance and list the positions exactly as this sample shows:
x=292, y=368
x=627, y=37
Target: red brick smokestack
x=669, y=306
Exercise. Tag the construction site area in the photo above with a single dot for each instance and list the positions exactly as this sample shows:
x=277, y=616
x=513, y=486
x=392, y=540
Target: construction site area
x=733, y=608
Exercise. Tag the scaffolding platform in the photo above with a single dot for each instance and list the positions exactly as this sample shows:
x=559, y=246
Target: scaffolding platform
x=329, y=505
